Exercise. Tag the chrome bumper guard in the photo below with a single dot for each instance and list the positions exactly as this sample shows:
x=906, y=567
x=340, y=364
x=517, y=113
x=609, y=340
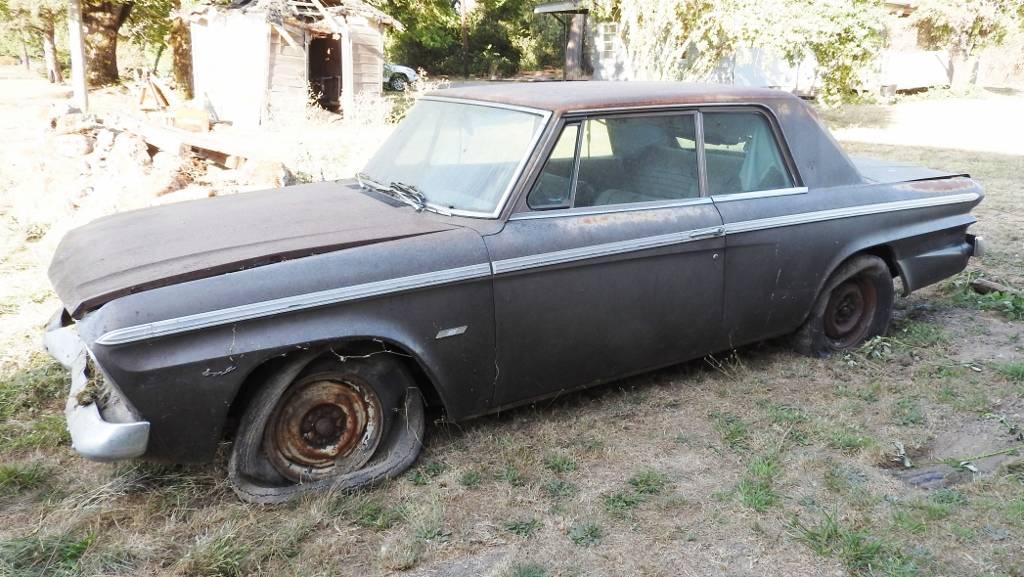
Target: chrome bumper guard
x=93, y=436
x=978, y=245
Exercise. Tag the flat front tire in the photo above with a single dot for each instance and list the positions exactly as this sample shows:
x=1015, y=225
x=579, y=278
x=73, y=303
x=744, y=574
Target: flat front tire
x=854, y=305
x=327, y=422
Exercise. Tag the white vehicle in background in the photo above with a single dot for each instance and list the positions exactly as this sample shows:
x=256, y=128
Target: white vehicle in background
x=398, y=77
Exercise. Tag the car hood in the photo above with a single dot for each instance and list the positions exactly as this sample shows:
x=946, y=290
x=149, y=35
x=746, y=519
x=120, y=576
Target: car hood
x=148, y=248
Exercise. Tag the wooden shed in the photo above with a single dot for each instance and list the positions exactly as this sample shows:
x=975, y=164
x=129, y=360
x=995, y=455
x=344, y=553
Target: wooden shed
x=256, y=59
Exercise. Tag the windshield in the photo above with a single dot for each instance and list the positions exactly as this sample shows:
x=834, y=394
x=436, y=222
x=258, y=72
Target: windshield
x=461, y=157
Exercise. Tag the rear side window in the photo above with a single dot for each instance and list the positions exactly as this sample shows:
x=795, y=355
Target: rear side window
x=742, y=154
x=637, y=159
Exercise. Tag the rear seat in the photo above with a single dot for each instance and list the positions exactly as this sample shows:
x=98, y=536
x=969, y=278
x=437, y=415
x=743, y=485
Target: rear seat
x=658, y=173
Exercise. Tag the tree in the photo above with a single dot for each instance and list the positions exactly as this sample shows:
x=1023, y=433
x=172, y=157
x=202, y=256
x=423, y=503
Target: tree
x=964, y=26
x=38, y=19
x=689, y=39
x=102, y=21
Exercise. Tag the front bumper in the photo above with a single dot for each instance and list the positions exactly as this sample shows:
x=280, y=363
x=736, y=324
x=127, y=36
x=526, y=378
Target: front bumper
x=118, y=436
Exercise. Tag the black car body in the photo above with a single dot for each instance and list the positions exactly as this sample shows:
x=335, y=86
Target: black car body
x=605, y=260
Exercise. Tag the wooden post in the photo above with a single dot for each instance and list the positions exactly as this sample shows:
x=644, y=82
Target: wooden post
x=348, y=96
x=77, y=49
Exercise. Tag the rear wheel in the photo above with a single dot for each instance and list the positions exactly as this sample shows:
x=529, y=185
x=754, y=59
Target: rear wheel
x=327, y=422
x=854, y=306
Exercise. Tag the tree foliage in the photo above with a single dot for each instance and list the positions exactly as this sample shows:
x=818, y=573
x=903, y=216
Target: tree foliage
x=688, y=39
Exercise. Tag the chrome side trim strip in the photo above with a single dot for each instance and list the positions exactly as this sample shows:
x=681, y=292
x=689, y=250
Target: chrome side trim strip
x=837, y=213
x=290, y=304
x=367, y=290
x=759, y=194
x=606, y=249
x=611, y=209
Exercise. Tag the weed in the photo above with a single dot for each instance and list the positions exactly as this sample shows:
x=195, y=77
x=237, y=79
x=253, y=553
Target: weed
x=28, y=390
x=756, y=489
x=586, y=534
x=1013, y=371
x=18, y=477
x=46, y=432
x=528, y=570
x=619, y=503
x=222, y=556
x=907, y=412
x=733, y=430
x=1011, y=305
x=375, y=515
x=849, y=440
x=471, y=479
x=908, y=522
x=511, y=475
x=861, y=553
x=558, y=489
x=560, y=463
x=648, y=482
x=423, y=475
x=523, y=527
x=780, y=414
x=921, y=335
x=45, y=555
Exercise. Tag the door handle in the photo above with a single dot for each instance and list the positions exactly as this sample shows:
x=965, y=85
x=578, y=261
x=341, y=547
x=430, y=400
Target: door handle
x=707, y=233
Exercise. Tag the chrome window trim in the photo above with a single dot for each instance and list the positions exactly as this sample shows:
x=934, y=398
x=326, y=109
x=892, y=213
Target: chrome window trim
x=518, y=172
x=485, y=270
x=291, y=304
x=608, y=208
x=729, y=197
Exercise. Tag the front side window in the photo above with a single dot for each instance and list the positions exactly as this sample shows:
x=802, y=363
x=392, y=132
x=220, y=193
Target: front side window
x=742, y=154
x=460, y=156
x=553, y=188
x=637, y=159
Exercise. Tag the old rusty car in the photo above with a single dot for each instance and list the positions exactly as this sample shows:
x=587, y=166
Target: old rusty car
x=506, y=244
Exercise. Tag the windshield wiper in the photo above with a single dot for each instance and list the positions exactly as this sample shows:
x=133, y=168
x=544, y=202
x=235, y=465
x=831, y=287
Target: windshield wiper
x=407, y=193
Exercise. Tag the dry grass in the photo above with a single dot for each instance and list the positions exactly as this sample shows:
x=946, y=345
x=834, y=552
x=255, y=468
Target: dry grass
x=756, y=463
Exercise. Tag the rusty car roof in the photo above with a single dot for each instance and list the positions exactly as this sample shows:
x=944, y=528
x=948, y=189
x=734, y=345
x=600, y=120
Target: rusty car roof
x=570, y=96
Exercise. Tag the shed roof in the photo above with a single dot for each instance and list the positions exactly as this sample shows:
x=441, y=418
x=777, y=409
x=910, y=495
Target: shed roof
x=305, y=12
x=568, y=96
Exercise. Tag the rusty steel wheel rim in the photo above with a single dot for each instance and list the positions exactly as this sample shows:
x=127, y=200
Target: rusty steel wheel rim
x=324, y=425
x=850, y=312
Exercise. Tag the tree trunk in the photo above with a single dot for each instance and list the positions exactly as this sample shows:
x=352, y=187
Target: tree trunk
x=102, y=20
x=50, y=55
x=181, y=52
x=24, y=54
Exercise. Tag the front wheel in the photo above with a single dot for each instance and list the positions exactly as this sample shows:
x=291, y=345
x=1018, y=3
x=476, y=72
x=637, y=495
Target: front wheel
x=327, y=422
x=398, y=83
x=854, y=306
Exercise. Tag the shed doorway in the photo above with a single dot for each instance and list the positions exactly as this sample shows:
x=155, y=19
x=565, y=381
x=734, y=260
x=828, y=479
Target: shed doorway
x=325, y=71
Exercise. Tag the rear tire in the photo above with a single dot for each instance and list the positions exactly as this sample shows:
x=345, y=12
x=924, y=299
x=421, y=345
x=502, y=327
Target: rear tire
x=327, y=422
x=854, y=305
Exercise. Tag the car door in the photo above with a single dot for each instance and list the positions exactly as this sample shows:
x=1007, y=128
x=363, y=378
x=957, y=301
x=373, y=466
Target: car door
x=613, y=264
x=751, y=180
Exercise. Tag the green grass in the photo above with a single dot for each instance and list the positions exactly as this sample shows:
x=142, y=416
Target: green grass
x=920, y=334
x=559, y=463
x=46, y=432
x=781, y=414
x=648, y=482
x=756, y=489
x=225, y=555
x=471, y=479
x=733, y=430
x=849, y=440
x=423, y=475
x=862, y=554
x=1008, y=304
x=523, y=527
x=45, y=555
x=558, y=489
x=377, y=516
x=528, y=570
x=620, y=503
x=1013, y=371
x=586, y=534
x=20, y=477
x=43, y=384
x=513, y=476
x=907, y=412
